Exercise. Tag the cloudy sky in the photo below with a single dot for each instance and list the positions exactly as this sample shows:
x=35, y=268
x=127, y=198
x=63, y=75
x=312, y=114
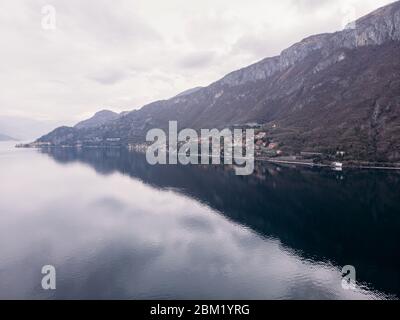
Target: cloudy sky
x=122, y=54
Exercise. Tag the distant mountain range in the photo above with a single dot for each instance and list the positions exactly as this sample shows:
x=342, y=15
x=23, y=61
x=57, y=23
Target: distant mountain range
x=4, y=137
x=329, y=92
x=24, y=128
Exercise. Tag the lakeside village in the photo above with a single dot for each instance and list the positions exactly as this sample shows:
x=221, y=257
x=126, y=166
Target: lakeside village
x=266, y=149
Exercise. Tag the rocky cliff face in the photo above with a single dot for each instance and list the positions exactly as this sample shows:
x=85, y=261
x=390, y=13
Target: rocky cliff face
x=376, y=28
x=327, y=92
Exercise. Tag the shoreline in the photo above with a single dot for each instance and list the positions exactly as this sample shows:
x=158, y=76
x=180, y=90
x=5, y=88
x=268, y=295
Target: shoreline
x=321, y=165
x=259, y=159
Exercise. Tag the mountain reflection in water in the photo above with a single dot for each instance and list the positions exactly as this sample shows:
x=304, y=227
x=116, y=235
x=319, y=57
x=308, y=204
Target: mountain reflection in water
x=199, y=231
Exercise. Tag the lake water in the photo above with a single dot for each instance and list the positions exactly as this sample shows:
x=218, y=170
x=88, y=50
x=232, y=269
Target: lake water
x=115, y=227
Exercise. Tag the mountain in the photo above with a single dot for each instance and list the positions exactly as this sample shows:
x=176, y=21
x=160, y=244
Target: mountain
x=329, y=92
x=98, y=119
x=4, y=137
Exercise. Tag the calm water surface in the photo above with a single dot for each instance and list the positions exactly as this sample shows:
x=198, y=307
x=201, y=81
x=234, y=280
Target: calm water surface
x=116, y=227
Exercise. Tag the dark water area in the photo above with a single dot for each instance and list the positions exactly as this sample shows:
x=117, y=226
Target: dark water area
x=116, y=227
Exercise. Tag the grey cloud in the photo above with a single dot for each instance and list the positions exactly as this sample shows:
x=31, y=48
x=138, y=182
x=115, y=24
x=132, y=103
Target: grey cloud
x=108, y=77
x=197, y=59
x=112, y=23
x=143, y=49
x=257, y=45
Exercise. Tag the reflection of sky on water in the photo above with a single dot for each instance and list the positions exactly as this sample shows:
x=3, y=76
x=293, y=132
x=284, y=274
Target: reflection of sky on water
x=115, y=237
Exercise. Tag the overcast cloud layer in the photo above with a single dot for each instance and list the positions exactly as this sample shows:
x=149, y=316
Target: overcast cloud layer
x=122, y=54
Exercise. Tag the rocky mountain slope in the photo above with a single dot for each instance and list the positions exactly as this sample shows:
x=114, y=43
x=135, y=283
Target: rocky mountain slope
x=336, y=91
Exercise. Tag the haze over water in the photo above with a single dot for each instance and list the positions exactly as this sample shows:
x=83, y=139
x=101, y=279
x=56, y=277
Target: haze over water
x=115, y=227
